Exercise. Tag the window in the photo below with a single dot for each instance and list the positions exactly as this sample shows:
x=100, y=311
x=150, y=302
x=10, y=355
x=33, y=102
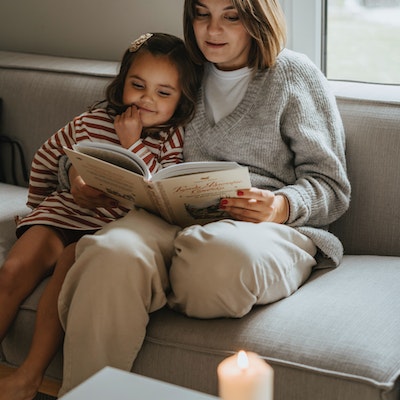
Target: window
x=363, y=40
x=356, y=40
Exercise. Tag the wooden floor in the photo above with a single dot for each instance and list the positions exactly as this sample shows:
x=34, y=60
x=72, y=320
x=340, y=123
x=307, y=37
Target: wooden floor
x=48, y=386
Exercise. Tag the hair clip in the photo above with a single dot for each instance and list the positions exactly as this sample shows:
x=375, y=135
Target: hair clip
x=137, y=44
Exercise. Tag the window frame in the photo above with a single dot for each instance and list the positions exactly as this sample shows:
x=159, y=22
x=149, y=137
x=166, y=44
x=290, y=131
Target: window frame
x=307, y=33
x=306, y=21
x=307, y=30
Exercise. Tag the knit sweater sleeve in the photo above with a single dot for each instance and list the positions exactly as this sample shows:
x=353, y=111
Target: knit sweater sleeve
x=312, y=127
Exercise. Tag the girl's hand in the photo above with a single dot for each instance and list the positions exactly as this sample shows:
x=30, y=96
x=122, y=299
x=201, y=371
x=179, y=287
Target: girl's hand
x=257, y=205
x=128, y=126
x=87, y=196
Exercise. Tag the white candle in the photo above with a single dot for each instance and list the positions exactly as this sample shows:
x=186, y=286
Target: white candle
x=245, y=376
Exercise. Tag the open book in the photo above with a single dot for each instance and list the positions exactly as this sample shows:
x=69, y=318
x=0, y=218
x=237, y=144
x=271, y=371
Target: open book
x=183, y=194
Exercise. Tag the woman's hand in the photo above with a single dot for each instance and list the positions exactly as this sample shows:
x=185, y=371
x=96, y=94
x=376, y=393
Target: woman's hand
x=128, y=126
x=257, y=205
x=87, y=196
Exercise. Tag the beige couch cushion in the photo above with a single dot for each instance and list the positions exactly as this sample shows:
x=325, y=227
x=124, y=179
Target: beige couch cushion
x=373, y=145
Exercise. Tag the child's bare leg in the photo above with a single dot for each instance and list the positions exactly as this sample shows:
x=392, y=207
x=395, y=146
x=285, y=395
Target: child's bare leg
x=32, y=257
x=24, y=383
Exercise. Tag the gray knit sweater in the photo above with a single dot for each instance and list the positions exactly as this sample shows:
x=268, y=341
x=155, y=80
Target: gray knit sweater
x=288, y=131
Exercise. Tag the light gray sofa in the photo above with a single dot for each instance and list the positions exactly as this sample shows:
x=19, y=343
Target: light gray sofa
x=337, y=338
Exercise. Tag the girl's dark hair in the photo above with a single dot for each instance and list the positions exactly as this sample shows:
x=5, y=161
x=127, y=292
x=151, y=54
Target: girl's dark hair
x=264, y=21
x=190, y=74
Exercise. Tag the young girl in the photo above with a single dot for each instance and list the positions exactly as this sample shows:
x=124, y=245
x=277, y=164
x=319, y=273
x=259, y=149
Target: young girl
x=265, y=107
x=147, y=104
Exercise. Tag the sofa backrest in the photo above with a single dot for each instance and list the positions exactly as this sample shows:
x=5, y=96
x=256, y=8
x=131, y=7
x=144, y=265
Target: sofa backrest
x=42, y=93
x=372, y=224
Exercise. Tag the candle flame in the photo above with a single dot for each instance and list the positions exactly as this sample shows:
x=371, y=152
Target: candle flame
x=242, y=360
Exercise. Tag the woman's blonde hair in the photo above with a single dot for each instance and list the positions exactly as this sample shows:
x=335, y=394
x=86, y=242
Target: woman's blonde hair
x=264, y=21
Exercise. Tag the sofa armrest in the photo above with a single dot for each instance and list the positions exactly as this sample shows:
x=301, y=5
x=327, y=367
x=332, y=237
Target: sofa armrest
x=12, y=200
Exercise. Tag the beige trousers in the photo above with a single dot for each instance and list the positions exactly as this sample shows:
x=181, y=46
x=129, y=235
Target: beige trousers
x=123, y=273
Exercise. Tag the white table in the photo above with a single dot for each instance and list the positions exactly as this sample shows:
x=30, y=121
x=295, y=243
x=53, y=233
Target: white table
x=111, y=383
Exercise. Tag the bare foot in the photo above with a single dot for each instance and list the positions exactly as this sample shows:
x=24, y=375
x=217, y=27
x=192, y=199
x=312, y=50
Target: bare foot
x=18, y=386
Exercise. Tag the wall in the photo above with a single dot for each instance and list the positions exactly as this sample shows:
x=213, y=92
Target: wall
x=94, y=29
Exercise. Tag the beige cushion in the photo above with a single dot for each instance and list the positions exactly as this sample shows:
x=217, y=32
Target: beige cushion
x=373, y=144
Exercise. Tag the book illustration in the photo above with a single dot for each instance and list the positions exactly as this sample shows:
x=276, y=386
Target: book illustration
x=205, y=211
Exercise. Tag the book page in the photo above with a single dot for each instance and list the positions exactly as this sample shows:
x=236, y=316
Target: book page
x=114, y=154
x=193, y=167
x=194, y=199
x=128, y=188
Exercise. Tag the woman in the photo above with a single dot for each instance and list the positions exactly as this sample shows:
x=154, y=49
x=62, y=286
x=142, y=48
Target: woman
x=260, y=105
